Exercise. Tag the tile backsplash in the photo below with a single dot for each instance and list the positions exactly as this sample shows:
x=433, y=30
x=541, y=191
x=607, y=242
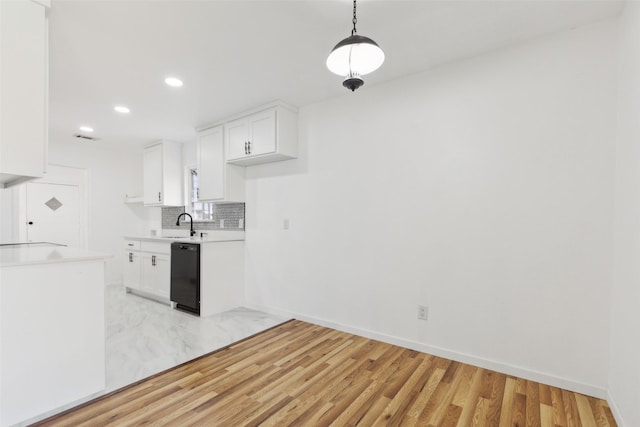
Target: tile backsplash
x=231, y=213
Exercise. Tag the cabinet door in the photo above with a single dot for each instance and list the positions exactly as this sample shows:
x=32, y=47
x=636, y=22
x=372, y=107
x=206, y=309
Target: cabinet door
x=262, y=127
x=237, y=138
x=24, y=100
x=152, y=175
x=147, y=271
x=132, y=271
x=211, y=164
x=156, y=274
x=162, y=269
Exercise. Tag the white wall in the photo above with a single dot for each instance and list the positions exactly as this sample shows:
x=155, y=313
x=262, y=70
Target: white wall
x=625, y=320
x=112, y=174
x=190, y=153
x=483, y=189
x=7, y=216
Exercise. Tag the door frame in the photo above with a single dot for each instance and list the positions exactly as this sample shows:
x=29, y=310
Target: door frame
x=63, y=175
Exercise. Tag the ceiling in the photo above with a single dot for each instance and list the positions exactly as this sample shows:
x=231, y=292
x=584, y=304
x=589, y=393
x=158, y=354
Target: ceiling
x=236, y=55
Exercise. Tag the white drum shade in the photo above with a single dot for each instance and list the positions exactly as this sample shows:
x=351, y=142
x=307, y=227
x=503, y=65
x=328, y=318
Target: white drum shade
x=355, y=55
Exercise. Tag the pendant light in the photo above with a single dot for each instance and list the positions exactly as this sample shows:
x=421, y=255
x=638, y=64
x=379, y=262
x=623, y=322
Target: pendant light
x=354, y=57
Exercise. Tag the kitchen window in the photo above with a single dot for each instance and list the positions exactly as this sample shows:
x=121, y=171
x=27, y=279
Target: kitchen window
x=201, y=211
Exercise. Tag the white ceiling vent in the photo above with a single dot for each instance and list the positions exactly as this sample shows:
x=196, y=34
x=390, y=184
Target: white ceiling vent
x=85, y=137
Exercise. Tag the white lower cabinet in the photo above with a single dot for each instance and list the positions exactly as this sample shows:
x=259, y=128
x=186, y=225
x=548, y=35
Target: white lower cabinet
x=156, y=274
x=147, y=268
x=132, y=271
x=221, y=277
x=132, y=268
x=147, y=272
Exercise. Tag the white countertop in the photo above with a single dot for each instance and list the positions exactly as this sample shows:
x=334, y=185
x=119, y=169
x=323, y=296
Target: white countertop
x=43, y=253
x=212, y=237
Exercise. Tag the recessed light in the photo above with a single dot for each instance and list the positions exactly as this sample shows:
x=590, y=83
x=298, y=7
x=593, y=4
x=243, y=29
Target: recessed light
x=86, y=128
x=121, y=109
x=173, y=82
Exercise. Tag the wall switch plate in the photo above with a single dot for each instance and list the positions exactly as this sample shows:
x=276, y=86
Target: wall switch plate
x=423, y=312
x=285, y=224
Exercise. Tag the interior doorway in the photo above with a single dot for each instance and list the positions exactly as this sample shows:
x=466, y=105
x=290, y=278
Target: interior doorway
x=54, y=208
x=53, y=213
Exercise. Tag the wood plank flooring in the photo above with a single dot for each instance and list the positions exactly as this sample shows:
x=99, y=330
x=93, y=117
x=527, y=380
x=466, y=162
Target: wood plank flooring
x=300, y=374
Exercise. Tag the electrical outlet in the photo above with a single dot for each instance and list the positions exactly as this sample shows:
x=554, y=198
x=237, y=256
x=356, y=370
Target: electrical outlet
x=423, y=312
x=222, y=223
x=285, y=224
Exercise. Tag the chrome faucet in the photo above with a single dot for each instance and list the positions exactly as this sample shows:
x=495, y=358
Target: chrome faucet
x=192, y=231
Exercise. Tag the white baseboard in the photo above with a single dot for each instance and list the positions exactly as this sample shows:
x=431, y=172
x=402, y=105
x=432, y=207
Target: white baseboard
x=505, y=368
x=58, y=410
x=147, y=295
x=614, y=410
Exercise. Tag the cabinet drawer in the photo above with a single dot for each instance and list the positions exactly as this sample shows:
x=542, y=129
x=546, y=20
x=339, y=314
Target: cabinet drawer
x=156, y=247
x=132, y=245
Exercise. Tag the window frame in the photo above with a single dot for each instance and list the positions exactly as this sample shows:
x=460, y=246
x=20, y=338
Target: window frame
x=202, y=213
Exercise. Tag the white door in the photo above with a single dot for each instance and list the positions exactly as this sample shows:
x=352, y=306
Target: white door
x=53, y=214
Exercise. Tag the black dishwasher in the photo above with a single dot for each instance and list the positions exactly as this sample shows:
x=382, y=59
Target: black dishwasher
x=185, y=276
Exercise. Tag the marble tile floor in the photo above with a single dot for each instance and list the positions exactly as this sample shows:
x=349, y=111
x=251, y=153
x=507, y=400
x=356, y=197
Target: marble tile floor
x=145, y=337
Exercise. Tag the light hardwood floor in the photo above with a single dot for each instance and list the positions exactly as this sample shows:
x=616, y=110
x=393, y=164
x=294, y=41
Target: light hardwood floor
x=307, y=375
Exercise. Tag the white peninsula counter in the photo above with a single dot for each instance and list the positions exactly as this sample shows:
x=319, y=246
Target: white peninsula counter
x=52, y=328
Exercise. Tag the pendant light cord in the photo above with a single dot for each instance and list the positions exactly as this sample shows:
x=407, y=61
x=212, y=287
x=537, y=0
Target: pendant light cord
x=354, y=18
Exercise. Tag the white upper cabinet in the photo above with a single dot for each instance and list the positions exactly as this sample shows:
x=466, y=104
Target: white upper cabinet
x=211, y=164
x=236, y=134
x=267, y=135
x=162, y=174
x=254, y=135
x=217, y=181
x=152, y=175
x=23, y=91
